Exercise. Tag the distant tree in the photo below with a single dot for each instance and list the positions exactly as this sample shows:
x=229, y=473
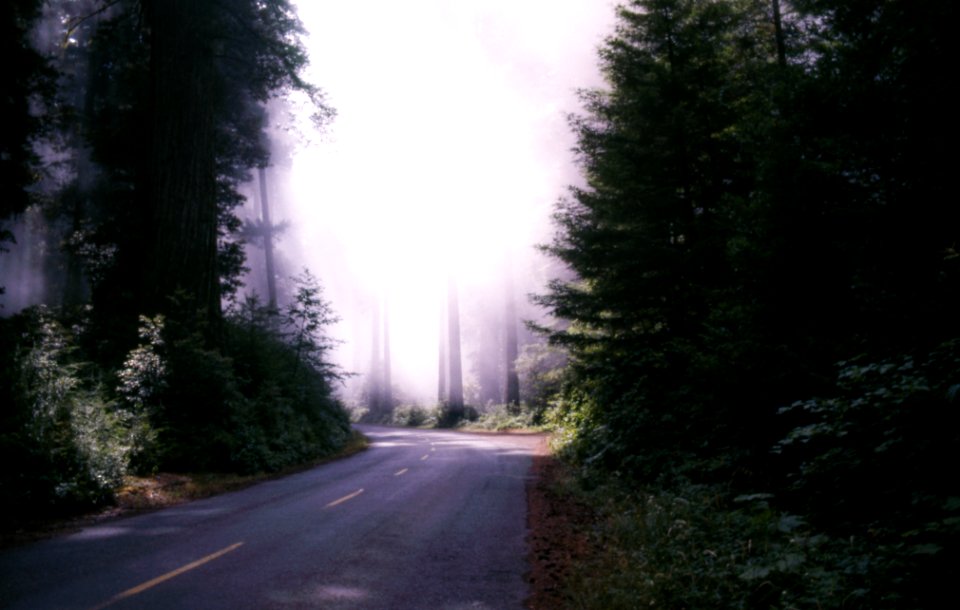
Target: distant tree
x=375, y=377
x=387, y=373
x=266, y=231
x=454, y=405
x=443, y=362
x=511, y=351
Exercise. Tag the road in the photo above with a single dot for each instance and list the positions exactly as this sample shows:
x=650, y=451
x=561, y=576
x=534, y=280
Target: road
x=422, y=519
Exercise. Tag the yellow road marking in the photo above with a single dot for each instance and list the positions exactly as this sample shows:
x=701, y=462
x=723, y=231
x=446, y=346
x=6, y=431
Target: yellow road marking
x=425, y=457
x=345, y=498
x=400, y=472
x=159, y=579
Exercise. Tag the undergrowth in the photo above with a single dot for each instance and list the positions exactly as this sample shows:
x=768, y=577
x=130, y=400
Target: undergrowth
x=695, y=547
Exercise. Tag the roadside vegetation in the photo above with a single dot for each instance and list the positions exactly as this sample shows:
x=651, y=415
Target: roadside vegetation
x=764, y=366
x=78, y=428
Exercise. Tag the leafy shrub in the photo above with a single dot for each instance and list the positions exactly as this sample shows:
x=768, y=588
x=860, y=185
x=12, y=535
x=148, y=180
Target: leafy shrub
x=65, y=442
x=867, y=464
x=694, y=547
x=541, y=368
x=139, y=384
x=414, y=416
x=504, y=417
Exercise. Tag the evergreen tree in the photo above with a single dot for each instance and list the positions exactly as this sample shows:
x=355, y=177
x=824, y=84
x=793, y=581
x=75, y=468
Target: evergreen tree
x=666, y=161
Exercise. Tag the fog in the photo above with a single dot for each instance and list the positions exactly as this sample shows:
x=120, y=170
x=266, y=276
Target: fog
x=449, y=148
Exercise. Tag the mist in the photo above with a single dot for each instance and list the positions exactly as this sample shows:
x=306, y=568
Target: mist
x=449, y=149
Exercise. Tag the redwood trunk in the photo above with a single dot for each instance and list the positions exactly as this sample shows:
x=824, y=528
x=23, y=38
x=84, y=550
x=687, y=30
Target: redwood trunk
x=267, y=239
x=182, y=193
x=455, y=397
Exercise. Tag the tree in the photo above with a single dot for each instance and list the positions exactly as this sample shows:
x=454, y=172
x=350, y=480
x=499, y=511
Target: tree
x=442, y=361
x=668, y=166
x=196, y=93
x=181, y=183
x=268, y=231
x=454, y=404
x=511, y=351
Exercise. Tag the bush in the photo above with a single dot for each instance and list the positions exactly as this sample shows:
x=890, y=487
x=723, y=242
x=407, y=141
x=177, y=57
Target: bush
x=415, y=416
x=505, y=417
x=66, y=444
x=694, y=547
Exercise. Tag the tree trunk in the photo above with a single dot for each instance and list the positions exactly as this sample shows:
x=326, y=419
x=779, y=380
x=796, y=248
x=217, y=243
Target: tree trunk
x=387, y=381
x=443, y=363
x=512, y=393
x=778, y=32
x=455, y=397
x=181, y=178
x=267, y=239
x=375, y=391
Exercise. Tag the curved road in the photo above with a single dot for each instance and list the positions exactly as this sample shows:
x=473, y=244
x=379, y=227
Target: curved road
x=422, y=519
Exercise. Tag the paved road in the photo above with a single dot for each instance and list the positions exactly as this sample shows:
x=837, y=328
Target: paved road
x=423, y=519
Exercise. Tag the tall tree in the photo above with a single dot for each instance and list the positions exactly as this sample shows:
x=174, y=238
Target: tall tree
x=387, y=373
x=375, y=377
x=511, y=351
x=455, y=391
x=181, y=186
x=668, y=166
x=268, y=236
x=442, y=361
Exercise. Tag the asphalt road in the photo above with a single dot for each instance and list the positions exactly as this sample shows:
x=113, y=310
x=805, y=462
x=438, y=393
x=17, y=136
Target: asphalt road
x=422, y=519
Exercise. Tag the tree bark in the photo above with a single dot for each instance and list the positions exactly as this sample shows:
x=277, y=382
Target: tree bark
x=181, y=177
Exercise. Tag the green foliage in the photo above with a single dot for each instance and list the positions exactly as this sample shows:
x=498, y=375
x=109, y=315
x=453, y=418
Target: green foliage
x=139, y=384
x=67, y=443
x=541, y=368
x=74, y=428
x=693, y=547
x=288, y=413
x=744, y=224
x=505, y=417
x=415, y=416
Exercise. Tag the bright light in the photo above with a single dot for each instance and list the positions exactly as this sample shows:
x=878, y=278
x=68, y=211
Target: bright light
x=449, y=148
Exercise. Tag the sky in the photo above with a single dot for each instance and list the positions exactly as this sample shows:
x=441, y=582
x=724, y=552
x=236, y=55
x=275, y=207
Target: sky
x=448, y=151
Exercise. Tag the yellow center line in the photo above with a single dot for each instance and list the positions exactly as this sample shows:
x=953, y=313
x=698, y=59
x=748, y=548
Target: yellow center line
x=345, y=498
x=425, y=457
x=159, y=579
x=400, y=472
